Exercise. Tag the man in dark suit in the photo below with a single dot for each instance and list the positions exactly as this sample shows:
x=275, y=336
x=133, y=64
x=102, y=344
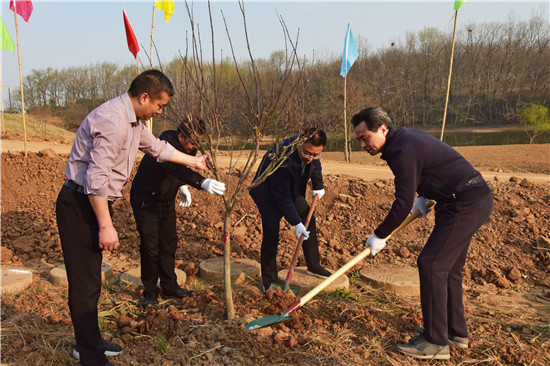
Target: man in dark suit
x=282, y=194
x=152, y=197
x=425, y=165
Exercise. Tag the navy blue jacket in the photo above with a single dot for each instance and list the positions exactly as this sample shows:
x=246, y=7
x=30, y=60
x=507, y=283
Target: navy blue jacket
x=162, y=180
x=276, y=195
x=423, y=164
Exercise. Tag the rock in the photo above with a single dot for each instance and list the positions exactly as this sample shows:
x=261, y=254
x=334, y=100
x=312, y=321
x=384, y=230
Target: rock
x=5, y=254
x=335, y=243
x=404, y=252
x=23, y=244
x=514, y=275
x=525, y=183
x=515, y=179
x=124, y=321
x=47, y=153
x=191, y=269
x=525, y=211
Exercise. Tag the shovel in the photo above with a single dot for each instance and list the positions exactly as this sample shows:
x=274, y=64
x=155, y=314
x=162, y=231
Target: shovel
x=277, y=318
x=286, y=286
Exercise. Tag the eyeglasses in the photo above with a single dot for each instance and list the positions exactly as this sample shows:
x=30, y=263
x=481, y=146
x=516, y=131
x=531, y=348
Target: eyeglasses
x=308, y=155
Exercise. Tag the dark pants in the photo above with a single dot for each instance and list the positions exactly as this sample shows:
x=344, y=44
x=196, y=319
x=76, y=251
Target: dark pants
x=440, y=266
x=270, y=241
x=79, y=235
x=156, y=224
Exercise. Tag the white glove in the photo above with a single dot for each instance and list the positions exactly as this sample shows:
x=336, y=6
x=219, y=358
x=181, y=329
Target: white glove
x=375, y=244
x=213, y=186
x=185, y=196
x=319, y=192
x=301, y=230
x=422, y=205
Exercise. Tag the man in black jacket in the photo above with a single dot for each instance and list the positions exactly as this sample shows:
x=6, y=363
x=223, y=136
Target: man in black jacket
x=425, y=165
x=282, y=194
x=153, y=201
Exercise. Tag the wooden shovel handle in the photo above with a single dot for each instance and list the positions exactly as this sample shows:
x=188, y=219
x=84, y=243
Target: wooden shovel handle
x=300, y=241
x=356, y=259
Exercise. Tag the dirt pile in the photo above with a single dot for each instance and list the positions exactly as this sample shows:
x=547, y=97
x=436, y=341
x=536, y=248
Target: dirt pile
x=506, y=278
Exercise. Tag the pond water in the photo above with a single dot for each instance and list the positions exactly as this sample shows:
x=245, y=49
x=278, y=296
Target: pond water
x=462, y=138
x=453, y=138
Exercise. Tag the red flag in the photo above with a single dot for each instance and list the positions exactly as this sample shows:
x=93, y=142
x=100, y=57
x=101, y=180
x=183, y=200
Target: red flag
x=130, y=36
x=23, y=7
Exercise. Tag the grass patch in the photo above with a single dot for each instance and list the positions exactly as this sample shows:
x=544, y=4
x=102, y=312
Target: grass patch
x=36, y=126
x=162, y=344
x=345, y=294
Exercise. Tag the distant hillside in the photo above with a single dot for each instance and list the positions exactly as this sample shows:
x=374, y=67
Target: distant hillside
x=42, y=126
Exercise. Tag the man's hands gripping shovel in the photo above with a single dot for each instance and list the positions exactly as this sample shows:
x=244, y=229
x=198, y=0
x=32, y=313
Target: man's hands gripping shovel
x=302, y=235
x=277, y=318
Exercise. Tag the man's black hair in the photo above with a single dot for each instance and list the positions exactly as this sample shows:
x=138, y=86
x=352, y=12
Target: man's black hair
x=195, y=126
x=152, y=82
x=315, y=136
x=374, y=117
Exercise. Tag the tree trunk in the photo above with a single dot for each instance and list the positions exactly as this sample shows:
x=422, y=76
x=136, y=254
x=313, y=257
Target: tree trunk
x=227, y=266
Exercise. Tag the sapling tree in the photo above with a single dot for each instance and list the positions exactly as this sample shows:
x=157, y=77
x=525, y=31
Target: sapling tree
x=241, y=103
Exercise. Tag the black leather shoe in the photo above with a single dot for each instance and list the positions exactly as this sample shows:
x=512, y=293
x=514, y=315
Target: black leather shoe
x=179, y=294
x=148, y=300
x=111, y=349
x=318, y=271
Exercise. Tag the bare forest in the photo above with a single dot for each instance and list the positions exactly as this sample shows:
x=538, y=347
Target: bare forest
x=498, y=69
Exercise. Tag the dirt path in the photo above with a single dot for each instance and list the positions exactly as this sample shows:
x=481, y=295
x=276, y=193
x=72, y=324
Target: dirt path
x=364, y=166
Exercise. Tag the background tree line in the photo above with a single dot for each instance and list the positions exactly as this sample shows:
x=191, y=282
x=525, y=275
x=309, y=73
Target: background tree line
x=498, y=69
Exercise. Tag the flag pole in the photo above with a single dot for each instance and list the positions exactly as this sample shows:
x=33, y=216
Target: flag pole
x=449, y=79
x=346, y=50
x=346, y=152
x=152, y=35
x=149, y=122
x=20, y=79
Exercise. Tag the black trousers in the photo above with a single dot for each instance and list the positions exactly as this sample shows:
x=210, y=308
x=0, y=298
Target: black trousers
x=79, y=235
x=156, y=224
x=270, y=242
x=440, y=266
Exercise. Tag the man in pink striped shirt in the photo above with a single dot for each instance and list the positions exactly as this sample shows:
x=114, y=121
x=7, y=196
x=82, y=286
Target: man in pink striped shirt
x=100, y=163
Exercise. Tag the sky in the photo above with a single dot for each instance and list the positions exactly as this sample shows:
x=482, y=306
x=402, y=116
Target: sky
x=61, y=34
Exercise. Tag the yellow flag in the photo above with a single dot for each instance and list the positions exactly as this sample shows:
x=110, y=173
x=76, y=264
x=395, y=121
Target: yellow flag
x=167, y=6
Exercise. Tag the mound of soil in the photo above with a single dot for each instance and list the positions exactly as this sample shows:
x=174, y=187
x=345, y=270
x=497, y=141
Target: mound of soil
x=507, y=282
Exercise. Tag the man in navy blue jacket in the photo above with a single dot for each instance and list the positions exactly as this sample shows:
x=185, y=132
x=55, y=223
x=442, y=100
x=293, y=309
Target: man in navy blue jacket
x=425, y=165
x=282, y=194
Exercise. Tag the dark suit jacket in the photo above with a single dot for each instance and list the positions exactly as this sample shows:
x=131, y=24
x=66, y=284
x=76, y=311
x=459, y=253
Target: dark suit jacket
x=276, y=195
x=424, y=164
x=160, y=181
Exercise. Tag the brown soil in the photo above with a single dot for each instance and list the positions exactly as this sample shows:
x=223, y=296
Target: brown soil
x=507, y=282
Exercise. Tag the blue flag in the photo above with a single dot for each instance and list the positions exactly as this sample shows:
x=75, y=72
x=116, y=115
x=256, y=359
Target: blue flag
x=350, y=52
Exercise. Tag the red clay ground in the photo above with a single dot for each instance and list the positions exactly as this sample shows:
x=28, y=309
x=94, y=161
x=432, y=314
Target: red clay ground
x=507, y=282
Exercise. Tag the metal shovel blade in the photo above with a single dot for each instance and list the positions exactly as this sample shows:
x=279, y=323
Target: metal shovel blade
x=267, y=321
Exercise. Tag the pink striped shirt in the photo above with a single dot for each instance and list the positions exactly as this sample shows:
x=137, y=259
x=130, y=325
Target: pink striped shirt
x=105, y=148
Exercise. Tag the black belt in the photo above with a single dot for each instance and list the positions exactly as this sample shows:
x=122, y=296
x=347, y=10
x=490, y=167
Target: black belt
x=467, y=196
x=73, y=186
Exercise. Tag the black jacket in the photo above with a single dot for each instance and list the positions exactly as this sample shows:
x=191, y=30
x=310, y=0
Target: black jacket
x=279, y=191
x=425, y=165
x=161, y=181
